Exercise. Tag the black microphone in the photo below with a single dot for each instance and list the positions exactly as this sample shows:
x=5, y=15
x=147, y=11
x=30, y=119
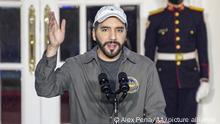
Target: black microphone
x=123, y=85
x=123, y=82
x=105, y=86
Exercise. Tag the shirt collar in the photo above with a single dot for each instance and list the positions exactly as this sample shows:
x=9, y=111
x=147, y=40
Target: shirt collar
x=92, y=55
x=172, y=7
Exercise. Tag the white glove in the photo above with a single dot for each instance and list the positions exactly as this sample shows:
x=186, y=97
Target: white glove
x=203, y=91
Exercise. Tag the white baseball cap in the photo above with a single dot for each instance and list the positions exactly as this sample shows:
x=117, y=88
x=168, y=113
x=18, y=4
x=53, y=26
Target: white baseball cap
x=108, y=11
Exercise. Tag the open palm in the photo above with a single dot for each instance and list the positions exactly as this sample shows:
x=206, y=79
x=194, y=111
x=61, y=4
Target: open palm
x=56, y=33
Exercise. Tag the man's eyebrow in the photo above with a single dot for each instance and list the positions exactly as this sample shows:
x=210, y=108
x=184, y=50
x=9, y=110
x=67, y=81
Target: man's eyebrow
x=104, y=27
x=121, y=27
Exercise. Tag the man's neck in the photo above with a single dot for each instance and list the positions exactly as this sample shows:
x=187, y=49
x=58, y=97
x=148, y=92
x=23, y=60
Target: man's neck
x=103, y=57
x=172, y=6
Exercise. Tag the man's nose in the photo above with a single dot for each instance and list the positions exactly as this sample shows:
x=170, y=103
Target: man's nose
x=113, y=35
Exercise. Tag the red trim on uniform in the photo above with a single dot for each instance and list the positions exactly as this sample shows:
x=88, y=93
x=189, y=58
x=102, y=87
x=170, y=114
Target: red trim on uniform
x=205, y=65
x=178, y=77
x=11, y=93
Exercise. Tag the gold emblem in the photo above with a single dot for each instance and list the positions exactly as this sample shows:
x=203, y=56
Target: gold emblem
x=133, y=85
x=179, y=57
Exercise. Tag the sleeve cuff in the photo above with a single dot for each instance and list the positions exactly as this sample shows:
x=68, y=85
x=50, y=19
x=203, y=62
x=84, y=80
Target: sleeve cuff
x=204, y=79
x=50, y=61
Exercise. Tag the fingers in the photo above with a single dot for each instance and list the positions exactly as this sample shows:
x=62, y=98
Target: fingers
x=53, y=25
x=63, y=25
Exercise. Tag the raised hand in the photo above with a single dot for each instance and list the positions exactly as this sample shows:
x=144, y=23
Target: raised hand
x=56, y=35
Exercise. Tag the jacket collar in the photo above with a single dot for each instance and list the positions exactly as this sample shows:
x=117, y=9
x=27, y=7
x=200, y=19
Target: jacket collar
x=172, y=7
x=92, y=55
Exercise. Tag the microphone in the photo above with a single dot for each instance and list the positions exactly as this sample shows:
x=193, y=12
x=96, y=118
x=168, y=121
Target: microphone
x=123, y=85
x=123, y=82
x=105, y=86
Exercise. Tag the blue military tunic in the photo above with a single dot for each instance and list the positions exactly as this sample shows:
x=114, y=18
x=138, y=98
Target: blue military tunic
x=178, y=30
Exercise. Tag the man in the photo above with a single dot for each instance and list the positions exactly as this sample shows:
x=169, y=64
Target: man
x=79, y=74
x=177, y=36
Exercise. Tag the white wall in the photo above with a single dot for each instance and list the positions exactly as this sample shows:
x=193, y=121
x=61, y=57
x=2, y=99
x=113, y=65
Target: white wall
x=209, y=109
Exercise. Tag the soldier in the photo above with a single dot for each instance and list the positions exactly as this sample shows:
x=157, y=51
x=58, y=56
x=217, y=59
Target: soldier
x=175, y=38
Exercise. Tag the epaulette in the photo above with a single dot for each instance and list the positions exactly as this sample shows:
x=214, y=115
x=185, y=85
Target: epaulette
x=196, y=8
x=157, y=11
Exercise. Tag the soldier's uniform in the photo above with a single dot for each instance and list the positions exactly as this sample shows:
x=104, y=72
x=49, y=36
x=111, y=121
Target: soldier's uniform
x=176, y=38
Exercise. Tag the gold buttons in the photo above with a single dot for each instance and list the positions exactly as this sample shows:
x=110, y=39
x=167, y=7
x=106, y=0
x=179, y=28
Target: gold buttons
x=177, y=14
x=178, y=46
x=177, y=30
x=191, y=32
x=177, y=22
x=178, y=63
x=177, y=38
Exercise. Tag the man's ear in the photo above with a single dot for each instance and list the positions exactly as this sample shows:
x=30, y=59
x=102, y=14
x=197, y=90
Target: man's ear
x=93, y=34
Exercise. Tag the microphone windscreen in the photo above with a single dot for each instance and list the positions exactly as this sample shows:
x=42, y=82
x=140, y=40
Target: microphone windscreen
x=122, y=75
x=102, y=77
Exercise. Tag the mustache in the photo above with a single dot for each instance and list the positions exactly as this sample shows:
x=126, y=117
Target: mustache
x=108, y=42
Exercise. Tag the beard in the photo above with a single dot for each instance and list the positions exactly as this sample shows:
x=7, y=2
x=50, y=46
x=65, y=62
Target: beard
x=107, y=49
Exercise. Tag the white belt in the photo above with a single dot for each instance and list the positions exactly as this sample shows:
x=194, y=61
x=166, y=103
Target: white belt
x=176, y=56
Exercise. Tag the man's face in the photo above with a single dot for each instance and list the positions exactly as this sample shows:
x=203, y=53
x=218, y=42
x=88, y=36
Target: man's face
x=110, y=36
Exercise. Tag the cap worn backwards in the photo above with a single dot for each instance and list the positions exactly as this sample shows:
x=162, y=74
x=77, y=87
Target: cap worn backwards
x=108, y=11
